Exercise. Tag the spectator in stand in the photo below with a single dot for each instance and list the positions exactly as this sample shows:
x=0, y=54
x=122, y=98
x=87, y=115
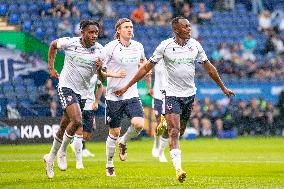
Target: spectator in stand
x=192, y=18
x=64, y=28
x=269, y=119
x=216, y=55
x=177, y=7
x=12, y=111
x=207, y=108
x=60, y=10
x=150, y=14
x=53, y=111
x=235, y=54
x=218, y=115
x=47, y=93
x=248, y=46
x=224, y=51
x=274, y=46
x=107, y=9
x=222, y=5
x=203, y=15
x=195, y=116
x=138, y=14
x=276, y=20
x=256, y=117
x=95, y=9
x=103, y=34
x=280, y=117
x=164, y=16
x=241, y=118
x=46, y=8
x=277, y=44
x=257, y=6
x=264, y=21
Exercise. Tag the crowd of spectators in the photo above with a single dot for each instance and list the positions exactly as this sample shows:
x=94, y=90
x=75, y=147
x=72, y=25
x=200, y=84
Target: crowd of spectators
x=254, y=117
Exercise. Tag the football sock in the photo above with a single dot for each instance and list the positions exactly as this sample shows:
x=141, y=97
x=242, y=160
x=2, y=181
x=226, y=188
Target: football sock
x=163, y=144
x=110, y=149
x=78, y=147
x=66, y=141
x=176, y=158
x=156, y=141
x=55, y=147
x=130, y=133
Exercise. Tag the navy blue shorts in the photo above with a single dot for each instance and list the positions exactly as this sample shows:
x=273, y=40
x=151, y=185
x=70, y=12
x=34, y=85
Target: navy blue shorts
x=68, y=96
x=116, y=109
x=89, y=122
x=179, y=105
x=158, y=107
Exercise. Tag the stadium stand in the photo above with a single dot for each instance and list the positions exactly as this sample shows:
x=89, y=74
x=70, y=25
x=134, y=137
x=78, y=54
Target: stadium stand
x=224, y=31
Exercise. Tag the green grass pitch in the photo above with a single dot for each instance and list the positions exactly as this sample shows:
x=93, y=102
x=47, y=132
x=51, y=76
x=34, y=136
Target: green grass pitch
x=210, y=163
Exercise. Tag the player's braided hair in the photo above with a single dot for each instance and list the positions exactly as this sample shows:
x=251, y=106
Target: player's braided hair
x=85, y=23
x=118, y=24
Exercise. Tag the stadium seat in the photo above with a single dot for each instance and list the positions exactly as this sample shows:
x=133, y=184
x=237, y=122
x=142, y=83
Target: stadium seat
x=14, y=19
x=3, y=9
x=27, y=26
x=39, y=33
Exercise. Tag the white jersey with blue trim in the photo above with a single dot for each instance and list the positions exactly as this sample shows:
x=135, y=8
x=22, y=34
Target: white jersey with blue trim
x=117, y=57
x=160, y=81
x=79, y=64
x=180, y=65
x=91, y=97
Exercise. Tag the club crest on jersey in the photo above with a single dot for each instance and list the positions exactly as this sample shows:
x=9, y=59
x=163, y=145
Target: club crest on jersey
x=69, y=98
x=169, y=106
x=108, y=119
x=92, y=50
x=190, y=49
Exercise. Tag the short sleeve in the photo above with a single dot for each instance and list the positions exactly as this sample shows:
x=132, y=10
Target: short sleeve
x=158, y=54
x=99, y=82
x=63, y=42
x=142, y=53
x=104, y=56
x=201, y=56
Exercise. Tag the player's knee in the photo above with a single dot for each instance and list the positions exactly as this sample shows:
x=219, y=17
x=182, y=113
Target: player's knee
x=77, y=122
x=174, y=133
x=87, y=136
x=138, y=123
x=60, y=133
x=114, y=132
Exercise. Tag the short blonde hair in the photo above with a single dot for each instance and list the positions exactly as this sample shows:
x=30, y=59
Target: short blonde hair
x=118, y=24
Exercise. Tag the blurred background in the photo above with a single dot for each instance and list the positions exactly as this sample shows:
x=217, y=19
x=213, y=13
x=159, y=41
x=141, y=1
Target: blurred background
x=242, y=38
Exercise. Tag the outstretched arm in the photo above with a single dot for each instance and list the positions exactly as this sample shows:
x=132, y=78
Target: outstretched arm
x=139, y=75
x=51, y=58
x=212, y=72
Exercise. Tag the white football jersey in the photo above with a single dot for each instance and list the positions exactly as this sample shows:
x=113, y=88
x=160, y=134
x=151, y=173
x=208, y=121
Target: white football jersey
x=180, y=65
x=79, y=64
x=91, y=97
x=160, y=81
x=116, y=57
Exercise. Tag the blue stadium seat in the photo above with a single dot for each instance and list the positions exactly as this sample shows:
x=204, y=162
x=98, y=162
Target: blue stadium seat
x=39, y=33
x=3, y=9
x=27, y=26
x=13, y=8
x=14, y=19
